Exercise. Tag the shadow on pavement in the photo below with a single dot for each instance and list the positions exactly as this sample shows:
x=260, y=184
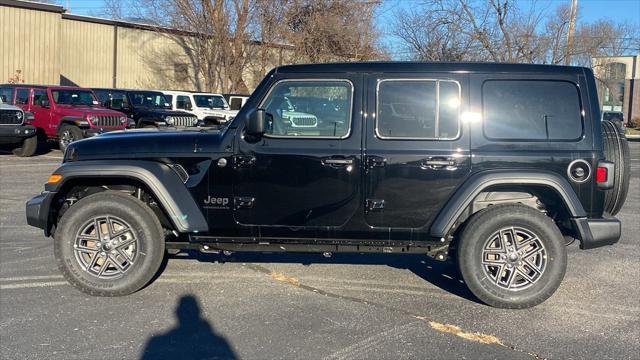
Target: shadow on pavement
x=192, y=338
x=442, y=274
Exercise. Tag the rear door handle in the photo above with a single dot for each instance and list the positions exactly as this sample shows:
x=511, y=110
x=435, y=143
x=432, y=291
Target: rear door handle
x=439, y=163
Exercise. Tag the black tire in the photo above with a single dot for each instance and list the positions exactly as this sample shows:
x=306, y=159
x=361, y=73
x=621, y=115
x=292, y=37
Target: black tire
x=616, y=150
x=27, y=148
x=550, y=253
x=145, y=230
x=68, y=134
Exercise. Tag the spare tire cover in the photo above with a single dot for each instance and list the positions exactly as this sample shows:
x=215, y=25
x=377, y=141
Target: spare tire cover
x=616, y=150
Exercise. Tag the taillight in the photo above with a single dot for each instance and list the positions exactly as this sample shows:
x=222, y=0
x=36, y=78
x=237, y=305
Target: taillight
x=601, y=174
x=604, y=175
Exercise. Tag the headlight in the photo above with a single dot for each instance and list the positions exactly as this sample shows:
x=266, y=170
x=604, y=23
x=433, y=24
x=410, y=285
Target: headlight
x=230, y=117
x=19, y=115
x=194, y=121
x=169, y=120
x=123, y=120
x=92, y=118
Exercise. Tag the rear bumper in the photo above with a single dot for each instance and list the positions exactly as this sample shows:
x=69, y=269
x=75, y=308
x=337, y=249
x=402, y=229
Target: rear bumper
x=37, y=210
x=594, y=233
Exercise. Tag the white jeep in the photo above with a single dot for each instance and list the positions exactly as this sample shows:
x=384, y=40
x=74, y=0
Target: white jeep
x=213, y=109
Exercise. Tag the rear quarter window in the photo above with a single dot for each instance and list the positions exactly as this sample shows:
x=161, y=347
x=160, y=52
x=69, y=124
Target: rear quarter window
x=531, y=110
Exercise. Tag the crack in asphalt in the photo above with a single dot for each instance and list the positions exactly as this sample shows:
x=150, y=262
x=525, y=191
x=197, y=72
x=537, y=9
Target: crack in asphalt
x=445, y=328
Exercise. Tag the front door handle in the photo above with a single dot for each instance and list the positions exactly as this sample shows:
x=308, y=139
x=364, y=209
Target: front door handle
x=337, y=162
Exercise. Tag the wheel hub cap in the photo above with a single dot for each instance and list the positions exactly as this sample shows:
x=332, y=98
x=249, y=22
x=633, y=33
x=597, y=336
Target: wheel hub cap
x=514, y=258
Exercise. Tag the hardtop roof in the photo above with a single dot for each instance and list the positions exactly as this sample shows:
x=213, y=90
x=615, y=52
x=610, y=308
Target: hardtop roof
x=407, y=66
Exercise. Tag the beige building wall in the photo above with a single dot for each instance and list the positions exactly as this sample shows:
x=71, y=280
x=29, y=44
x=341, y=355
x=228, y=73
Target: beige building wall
x=151, y=60
x=29, y=42
x=87, y=53
x=50, y=46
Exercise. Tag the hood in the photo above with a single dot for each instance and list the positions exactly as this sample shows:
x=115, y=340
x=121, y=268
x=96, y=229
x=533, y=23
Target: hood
x=83, y=110
x=9, y=107
x=149, y=143
x=218, y=111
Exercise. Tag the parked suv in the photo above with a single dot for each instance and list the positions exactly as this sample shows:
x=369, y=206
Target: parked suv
x=15, y=131
x=64, y=113
x=495, y=166
x=146, y=108
x=211, y=109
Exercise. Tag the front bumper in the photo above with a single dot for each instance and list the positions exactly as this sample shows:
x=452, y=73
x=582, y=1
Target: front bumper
x=91, y=132
x=16, y=133
x=38, y=211
x=594, y=233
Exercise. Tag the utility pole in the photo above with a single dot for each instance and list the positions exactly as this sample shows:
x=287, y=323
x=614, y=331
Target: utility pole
x=572, y=24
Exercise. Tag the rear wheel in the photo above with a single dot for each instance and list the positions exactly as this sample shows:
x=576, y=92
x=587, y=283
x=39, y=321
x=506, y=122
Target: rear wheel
x=67, y=135
x=616, y=150
x=27, y=148
x=511, y=256
x=109, y=244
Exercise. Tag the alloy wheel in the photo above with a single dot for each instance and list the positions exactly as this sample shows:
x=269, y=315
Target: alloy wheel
x=514, y=258
x=106, y=247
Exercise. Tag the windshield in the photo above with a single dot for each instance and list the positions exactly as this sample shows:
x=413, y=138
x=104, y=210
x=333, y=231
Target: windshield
x=73, y=97
x=210, y=101
x=147, y=99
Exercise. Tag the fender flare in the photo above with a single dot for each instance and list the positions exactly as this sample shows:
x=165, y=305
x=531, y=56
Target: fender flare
x=162, y=181
x=476, y=184
x=72, y=120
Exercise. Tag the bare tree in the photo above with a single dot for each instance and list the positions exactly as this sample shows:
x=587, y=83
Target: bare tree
x=501, y=31
x=214, y=36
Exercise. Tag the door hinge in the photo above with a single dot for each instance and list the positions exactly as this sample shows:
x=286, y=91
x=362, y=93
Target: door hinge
x=375, y=204
x=240, y=161
x=240, y=202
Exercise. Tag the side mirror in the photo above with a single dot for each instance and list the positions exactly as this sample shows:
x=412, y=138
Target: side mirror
x=3, y=98
x=255, y=123
x=44, y=103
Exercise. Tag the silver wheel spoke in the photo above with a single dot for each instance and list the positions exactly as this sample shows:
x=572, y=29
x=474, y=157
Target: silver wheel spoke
x=510, y=277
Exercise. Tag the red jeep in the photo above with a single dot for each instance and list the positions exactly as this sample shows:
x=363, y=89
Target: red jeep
x=63, y=113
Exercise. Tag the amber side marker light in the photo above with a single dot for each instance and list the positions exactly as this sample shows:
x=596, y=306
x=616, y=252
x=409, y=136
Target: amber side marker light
x=54, y=178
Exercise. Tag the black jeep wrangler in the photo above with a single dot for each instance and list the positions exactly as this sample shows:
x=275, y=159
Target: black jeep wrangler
x=145, y=108
x=498, y=166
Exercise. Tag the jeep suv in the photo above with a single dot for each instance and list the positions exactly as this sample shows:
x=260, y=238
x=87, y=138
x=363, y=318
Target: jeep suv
x=64, y=113
x=495, y=166
x=146, y=108
x=211, y=109
x=15, y=131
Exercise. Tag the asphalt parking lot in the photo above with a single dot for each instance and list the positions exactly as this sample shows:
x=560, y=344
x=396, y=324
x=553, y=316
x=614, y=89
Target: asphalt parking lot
x=267, y=306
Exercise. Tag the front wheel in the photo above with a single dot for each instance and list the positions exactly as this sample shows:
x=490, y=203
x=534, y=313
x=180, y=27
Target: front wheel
x=67, y=135
x=512, y=256
x=109, y=244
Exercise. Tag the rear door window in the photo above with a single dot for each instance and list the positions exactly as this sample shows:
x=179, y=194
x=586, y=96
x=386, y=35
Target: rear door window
x=534, y=110
x=418, y=109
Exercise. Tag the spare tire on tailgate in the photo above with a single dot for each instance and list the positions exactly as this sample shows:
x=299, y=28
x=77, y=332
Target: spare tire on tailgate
x=616, y=150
